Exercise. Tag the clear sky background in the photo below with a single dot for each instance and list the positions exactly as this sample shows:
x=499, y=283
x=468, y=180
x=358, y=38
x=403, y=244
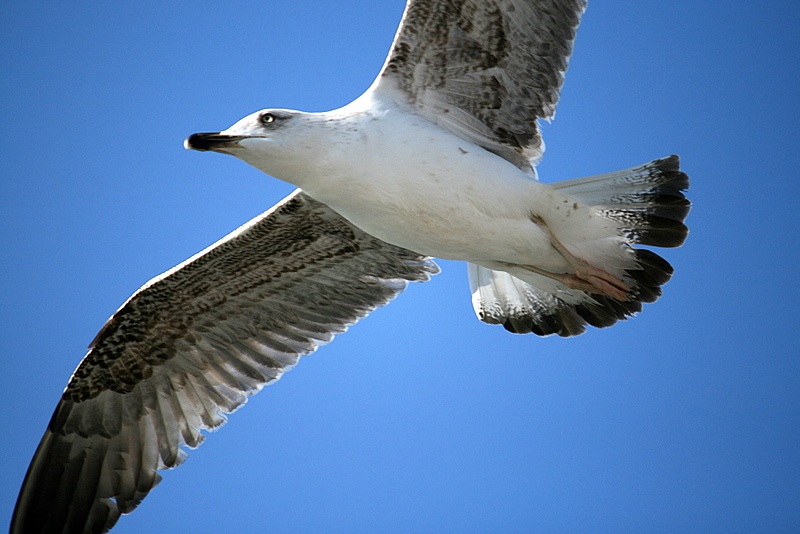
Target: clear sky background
x=421, y=418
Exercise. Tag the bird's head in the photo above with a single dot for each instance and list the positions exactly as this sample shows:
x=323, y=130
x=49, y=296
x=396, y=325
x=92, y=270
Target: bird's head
x=272, y=140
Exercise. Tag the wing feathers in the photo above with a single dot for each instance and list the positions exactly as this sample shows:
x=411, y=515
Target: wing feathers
x=191, y=346
x=485, y=70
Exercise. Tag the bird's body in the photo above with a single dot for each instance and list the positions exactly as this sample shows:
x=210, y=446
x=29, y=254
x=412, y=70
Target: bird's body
x=393, y=173
x=436, y=158
x=409, y=182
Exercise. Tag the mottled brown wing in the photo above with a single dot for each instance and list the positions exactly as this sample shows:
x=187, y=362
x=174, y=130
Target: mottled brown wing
x=485, y=69
x=191, y=346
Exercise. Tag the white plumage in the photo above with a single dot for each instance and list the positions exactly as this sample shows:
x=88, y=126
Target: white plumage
x=435, y=159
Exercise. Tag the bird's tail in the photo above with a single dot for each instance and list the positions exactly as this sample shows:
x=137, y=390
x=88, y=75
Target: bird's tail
x=647, y=206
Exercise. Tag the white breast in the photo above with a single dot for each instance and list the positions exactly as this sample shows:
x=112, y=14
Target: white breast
x=408, y=182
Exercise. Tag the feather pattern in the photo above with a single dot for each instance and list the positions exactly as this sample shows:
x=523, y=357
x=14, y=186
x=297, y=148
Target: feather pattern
x=647, y=205
x=485, y=69
x=191, y=346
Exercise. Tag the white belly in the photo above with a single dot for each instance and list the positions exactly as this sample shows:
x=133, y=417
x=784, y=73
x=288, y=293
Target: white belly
x=408, y=182
x=411, y=184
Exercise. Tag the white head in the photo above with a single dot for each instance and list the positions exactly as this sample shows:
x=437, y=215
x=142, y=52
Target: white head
x=282, y=143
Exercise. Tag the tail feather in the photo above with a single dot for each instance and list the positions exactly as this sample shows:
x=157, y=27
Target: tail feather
x=648, y=206
x=522, y=308
x=637, y=185
x=647, y=201
x=653, y=272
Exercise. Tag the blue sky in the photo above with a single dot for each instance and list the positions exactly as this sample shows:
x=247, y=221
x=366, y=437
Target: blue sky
x=420, y=419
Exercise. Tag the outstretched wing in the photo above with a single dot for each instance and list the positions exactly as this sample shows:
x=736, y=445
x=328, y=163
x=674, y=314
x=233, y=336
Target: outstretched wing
x=191, y=346
x=484, y=69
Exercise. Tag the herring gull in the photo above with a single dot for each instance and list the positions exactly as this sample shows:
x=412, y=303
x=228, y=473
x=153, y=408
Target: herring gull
x=436, y=159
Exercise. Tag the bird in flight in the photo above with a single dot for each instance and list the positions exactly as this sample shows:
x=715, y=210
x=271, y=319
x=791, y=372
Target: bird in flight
x=436, y=159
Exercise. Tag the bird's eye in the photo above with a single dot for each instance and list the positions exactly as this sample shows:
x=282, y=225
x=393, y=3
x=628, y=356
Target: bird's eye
x=267, y=118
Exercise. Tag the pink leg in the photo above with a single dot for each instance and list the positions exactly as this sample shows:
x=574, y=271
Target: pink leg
x=586, y=277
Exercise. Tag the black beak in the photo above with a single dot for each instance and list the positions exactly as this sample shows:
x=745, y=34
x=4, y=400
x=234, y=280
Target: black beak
x=211, y=141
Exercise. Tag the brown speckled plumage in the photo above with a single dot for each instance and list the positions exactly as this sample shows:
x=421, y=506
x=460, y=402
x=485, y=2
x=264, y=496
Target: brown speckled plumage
x=489, y=67
x=191, y=345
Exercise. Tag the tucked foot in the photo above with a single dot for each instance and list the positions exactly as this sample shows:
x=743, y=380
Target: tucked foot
x=603, y=283
x=587, y=277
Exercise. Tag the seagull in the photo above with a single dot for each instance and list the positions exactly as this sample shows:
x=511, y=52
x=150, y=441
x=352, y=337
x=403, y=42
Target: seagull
x=436, y=159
